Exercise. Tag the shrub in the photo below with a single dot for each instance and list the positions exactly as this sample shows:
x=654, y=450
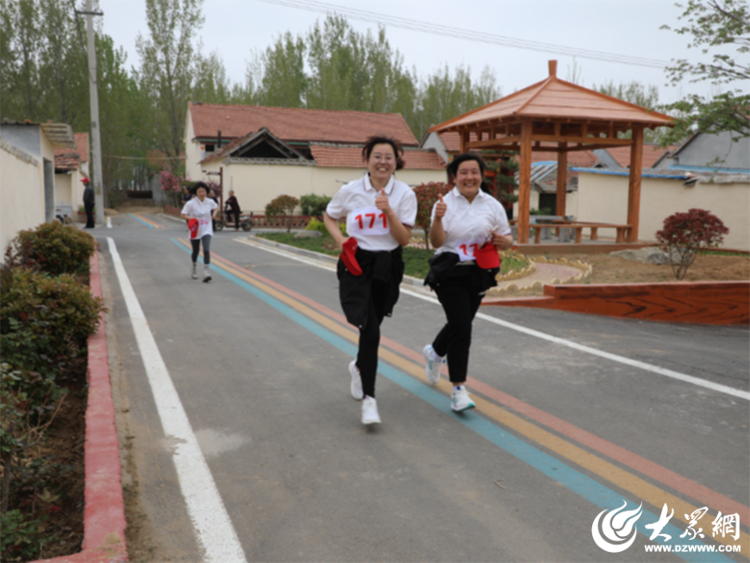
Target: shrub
x=53, y=248
x=282, y=206
x=427, y=195
x=317, y=225
x=684, y=234
x=314, y=205
x=320, y=226
x=43, y=316
x=31, y=483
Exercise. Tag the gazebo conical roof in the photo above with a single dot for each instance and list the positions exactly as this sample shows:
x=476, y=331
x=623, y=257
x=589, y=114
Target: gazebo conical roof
x=555, y=115
x=553, y=98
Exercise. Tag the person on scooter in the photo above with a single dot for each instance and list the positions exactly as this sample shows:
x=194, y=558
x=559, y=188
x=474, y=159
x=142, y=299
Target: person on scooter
x=233, y=209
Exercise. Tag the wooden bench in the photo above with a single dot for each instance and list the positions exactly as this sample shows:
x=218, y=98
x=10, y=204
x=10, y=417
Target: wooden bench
x=622, y=230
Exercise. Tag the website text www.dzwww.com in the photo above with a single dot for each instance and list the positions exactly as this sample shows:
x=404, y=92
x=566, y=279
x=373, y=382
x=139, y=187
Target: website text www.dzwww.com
x=685, y=548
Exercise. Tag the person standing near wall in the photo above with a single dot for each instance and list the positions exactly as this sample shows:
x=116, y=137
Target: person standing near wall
x=88, y=203
x=380, y=213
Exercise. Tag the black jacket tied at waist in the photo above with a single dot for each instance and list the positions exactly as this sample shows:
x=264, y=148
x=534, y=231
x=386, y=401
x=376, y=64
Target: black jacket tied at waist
x=446, y=264
x=381, y=272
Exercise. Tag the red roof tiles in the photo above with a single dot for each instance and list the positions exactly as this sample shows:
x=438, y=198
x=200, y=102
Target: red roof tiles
x=297, y=124
x=67, y=159
x=331, y=156
x=651, y=153
x=555, y=98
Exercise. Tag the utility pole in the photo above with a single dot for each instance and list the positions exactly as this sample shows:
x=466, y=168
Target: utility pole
x=96, y=149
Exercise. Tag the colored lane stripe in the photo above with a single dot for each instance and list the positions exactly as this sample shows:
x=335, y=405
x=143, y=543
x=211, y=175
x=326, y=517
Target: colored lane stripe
x=586, y=487
x=148, y=222
x=656, y=472
x=211, y=522
x=619, y=477
x=739, y=393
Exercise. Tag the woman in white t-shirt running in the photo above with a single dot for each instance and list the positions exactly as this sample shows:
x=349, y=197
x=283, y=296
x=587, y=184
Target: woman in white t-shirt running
x=380, y=213
x=464, y=220
x=204, y=210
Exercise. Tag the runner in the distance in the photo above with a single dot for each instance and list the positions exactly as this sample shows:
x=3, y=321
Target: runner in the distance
x=203, y=210
x=466, y=220
x=380, y=213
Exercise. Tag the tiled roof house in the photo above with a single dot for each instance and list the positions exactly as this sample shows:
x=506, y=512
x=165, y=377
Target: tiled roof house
x=264, y=152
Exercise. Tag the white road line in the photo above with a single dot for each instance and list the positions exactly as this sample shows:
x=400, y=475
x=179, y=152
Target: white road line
x=109, y=222
x=740, y=394
x=213, y=528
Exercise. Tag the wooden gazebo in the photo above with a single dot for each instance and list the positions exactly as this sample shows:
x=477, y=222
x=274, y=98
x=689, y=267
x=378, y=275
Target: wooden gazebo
x=555, y=115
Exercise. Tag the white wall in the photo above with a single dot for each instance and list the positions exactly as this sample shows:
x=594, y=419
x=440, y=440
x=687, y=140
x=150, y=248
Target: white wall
x=192, y=151
x=604, y=198
x=63, y=191
x=255, y=185
x=571, y=203
x=21, y=192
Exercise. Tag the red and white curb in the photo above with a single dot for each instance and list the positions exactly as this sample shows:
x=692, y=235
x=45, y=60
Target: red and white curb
x=104, y=512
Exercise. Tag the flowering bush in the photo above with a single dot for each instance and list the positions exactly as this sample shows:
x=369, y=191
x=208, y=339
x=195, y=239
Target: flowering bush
x=282, y=206
x=427, y=195
x=172, y=185
x=684, y=234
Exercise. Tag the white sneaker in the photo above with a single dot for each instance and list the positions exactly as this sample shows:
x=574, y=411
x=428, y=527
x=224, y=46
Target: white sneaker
x=460, y=401
x=194, y=272
x=431, y=368
x=206, y=274
x=356, y=387
x=370, y=411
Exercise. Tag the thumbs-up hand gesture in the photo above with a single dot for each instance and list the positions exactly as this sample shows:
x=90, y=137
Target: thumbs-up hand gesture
x=381, y=202
x=440, y=208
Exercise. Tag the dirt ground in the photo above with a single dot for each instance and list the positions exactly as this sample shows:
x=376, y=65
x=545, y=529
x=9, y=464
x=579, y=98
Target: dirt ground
x=612, y=269
x=135, y=206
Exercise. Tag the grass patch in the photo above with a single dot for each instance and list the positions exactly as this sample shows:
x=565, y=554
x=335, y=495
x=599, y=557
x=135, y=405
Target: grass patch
x=415, y=259
x=324, y=244
x=513, y=262
x=720, y=253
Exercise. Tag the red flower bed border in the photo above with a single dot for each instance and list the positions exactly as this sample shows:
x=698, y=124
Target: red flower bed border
x=104, y=513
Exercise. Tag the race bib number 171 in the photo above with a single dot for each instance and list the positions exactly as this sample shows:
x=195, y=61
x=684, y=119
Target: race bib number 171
x=368, y=221
x=466, y=249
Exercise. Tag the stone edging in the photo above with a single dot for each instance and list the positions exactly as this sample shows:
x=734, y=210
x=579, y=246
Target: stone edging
x=104, y=511
x=587, y=269
x=530, y=269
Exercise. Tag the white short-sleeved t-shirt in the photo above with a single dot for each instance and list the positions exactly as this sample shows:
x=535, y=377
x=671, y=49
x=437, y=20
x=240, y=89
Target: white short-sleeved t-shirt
x=201, y=211
x=467, y=224
x=367, y=223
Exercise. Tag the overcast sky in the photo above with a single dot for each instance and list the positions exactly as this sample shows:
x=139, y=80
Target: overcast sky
x=630, y=28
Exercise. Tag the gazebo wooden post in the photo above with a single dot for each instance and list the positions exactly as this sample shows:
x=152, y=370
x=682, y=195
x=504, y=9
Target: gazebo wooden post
x=524, y=182
x=634, y=184
x=562, y=176
x=464, y=141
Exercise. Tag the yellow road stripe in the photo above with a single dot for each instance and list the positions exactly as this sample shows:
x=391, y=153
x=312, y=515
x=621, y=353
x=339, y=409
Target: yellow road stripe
x=621, y=478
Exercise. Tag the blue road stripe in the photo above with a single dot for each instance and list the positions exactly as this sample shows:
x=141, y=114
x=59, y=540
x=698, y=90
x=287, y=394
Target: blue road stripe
x=141, y=221
x=586, y=487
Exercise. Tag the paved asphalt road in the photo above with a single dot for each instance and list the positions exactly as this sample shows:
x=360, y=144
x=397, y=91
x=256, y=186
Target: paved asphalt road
x=270, y=461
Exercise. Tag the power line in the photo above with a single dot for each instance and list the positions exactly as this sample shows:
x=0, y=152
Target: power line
x=469, y=35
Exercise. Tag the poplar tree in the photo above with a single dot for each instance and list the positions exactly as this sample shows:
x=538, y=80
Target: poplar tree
x=721, y=29
x=169, y=65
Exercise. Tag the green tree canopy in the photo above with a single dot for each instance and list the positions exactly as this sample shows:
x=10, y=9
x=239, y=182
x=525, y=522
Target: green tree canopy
x=721, y=29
